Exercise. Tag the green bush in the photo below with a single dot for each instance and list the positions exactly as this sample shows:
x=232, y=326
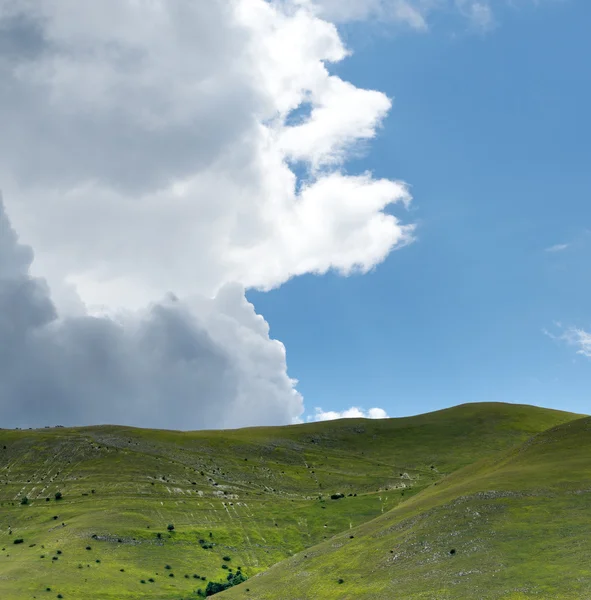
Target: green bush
x=24, y=500
x=18, y=541
x=58, y=496
x=214, y=587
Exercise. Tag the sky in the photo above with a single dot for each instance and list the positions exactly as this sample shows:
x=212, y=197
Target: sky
x=244, y=212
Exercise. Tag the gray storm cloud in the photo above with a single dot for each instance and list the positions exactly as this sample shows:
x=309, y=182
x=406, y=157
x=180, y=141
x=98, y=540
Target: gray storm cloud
x=195, y=364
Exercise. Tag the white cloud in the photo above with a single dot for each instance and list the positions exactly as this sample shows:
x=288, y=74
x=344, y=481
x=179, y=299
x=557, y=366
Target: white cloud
x=152, y=154
x=478, y=12
x=580, y=339
x=412, y=13
x=351, y=413
x=147, y=147
x=416, y=14
x=557, y=248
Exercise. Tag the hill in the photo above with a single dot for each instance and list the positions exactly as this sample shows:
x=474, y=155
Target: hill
x=254, y=497
x=514, y=526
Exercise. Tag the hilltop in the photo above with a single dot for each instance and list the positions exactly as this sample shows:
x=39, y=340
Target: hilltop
x=352, y=500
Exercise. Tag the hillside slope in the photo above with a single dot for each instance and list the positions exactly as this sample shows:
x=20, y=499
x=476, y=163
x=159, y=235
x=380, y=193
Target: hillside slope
x=256, y=496
x=512, y=526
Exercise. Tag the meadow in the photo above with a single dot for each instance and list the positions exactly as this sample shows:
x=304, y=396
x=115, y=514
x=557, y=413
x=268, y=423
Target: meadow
x=485, y=499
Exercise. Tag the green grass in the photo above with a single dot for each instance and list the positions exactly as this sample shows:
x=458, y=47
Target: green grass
x=518, y=524
x=261, y=496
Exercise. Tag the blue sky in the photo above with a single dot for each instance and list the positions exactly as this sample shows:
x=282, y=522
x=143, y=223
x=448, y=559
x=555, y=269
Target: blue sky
x=491, y=130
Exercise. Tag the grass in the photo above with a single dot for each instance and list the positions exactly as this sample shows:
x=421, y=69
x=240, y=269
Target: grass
x=511, y=526
x=261, y=497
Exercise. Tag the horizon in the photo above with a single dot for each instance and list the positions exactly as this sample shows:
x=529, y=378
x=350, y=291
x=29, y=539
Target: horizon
x=306, y=423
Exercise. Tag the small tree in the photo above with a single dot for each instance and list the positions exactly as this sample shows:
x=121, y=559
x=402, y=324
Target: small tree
x=24, y=501
x=58, y=496
x=170, y=527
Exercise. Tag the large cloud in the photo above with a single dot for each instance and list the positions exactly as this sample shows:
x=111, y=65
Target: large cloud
x=147, y=146
x=151, y=147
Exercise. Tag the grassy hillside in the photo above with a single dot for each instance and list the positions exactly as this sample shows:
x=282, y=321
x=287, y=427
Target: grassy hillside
x=256, y=496
x=514, y=526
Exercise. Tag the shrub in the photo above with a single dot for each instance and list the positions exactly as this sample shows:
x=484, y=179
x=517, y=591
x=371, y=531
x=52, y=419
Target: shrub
x=167, y=567
x=24, y=501
x=58, y=496
x=452, y=551
x=170, y=527
x=337, y=496
x=226, y=558
x=341, y=580
x=18, y=541
x=214, y=587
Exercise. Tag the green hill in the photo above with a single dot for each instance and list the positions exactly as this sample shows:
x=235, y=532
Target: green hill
x=409, y=490
x=514, y=526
